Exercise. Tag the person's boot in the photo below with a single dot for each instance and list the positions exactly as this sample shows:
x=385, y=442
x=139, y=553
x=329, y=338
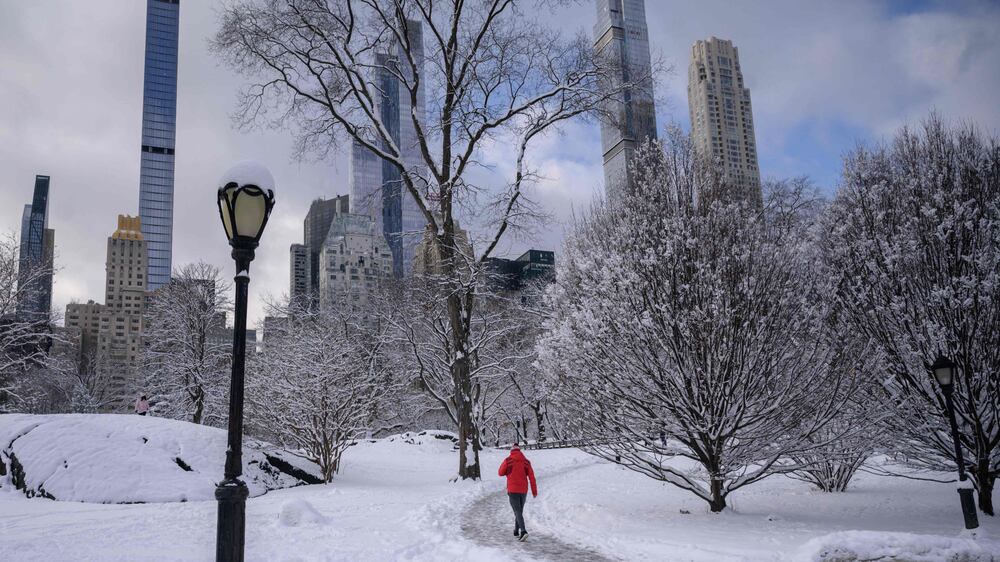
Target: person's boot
x=524, y=536
x=516, y=530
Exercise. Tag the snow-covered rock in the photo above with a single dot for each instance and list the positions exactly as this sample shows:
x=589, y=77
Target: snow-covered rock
x=849, y=546
x=109, y=458
x=430, y=436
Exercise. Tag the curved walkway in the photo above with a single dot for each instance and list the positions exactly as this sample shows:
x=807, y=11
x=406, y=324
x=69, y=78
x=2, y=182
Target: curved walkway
x=489, y=522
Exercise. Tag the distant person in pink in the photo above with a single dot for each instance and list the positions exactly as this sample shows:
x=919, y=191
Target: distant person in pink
x=142, y=405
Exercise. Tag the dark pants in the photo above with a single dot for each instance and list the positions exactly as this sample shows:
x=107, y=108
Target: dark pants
x=517, y=504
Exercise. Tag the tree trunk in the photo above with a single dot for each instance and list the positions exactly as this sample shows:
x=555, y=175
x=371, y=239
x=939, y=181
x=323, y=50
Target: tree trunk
x=468, y=435
x=460, y=371
x=984, y=487
x=199, y=406
x=540, y=422
x=718, y=502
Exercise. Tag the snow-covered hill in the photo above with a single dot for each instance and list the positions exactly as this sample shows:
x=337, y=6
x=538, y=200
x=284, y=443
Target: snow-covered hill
x=108, y=458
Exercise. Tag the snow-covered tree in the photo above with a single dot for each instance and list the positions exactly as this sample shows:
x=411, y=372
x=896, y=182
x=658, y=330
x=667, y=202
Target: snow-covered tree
x=794, y=208
x=187, y=354
x=324, y=380
x=683, y=334
x=914, y=237
x=486, y=73
x=24, y=342
x=525, y=408
x=495, y=347
x=849, y=440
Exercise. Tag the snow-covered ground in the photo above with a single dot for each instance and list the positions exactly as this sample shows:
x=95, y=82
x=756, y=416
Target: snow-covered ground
x=394, y=501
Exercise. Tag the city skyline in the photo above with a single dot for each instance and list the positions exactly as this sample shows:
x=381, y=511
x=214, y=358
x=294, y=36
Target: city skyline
x=803, y=118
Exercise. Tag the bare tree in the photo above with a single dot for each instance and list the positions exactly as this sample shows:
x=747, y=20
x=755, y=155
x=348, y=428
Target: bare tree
x=683, y=334
x=526, y=407
x=487, y=72
x=323, y=381
x=495, y=350
x=84, y=382
x=187, y=353
x=914, y=238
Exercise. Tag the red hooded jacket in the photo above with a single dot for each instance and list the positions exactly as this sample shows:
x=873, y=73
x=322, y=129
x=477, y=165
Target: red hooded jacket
x=518, y=471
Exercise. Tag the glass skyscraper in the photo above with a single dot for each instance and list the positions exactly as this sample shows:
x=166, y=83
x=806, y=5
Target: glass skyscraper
x=35, y=257
x=376, y=186
x=159, y=123
x=621, y=37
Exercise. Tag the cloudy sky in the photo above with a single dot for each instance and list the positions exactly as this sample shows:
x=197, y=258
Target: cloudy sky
x=823, y=77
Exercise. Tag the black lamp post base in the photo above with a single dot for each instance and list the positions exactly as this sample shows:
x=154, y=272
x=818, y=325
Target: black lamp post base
x=969, y=508
x=232, y=495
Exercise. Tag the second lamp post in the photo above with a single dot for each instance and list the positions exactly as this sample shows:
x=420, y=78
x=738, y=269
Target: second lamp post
x=246, y=196
x=944, y=371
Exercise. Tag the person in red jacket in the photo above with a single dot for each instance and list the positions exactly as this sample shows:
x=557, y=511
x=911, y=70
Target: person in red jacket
x=518, y=471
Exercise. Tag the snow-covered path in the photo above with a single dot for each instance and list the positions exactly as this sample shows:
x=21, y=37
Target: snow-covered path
x=489, y=522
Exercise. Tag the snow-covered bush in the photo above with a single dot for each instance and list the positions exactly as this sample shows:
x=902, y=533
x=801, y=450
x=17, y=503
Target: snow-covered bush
x=854, y=546
x=914, y=241
x=684, y=327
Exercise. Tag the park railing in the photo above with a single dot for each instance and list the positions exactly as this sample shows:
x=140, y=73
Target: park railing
x=565, y=444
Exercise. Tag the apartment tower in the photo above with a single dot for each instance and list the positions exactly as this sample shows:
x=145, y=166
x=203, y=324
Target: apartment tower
x=159, y=124
x=304, y=258
x=721, y=114
x=354, y=259
x=298, y=276
x=111, y=334
x=621, y=38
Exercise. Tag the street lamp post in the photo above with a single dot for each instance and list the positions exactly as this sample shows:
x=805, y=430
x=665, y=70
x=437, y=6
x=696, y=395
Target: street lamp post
x=944, y=371
x=246, y=196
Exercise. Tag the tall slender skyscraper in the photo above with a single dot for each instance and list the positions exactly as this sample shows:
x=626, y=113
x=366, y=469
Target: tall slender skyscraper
x=35, y=256
x=721, y=115
x=159, y=124
x=377, y=189
x=621, y=37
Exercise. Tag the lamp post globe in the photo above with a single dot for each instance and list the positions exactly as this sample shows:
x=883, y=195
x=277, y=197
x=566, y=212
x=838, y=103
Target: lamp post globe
x=245, y=198
x=944, y=370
